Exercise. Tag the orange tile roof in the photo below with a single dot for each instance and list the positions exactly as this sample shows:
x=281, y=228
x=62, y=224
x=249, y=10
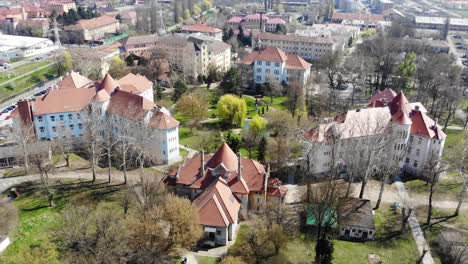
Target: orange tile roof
x=271, y=54
x=295, y=62
x=423, y=125
x=92, y=23
x=201, y=28
x=128, y=105
x=217, y=206
x=161, y=120
x=225, y=156
x=74, y=80
x=108, y=84
x=135, y=83
x=63, y=100
x=386, y=96
x=101, y=96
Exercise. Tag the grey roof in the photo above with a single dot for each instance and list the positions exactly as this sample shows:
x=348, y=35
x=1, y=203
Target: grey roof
x=218, y=46
x=144, y=39
x=356, y=212
x=451, y=235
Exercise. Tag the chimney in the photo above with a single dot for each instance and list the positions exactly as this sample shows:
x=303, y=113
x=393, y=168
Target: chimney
x=239, y=165
x=416, y=108
x=24, y=111
x=202, y=164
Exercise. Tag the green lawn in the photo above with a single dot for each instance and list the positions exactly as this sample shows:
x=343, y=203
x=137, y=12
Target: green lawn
x=279, y=102
x=207, y=260
x=38, y=222
x=448, y=188
x=26, y=82
x=25, y=68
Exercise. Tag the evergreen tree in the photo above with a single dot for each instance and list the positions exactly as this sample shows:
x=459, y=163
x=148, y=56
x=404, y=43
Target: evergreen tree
x=233, y=142
x=159, y=92
x=179, y=89
x=231, y=82
x=324, y=251
x=261, y=149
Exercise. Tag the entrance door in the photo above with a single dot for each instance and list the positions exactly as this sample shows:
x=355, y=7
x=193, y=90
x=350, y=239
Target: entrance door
x=211, y=236
x=346, y=232
x=364, y=235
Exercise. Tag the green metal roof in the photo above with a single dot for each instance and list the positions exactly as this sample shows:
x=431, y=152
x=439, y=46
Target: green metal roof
x=330, y=216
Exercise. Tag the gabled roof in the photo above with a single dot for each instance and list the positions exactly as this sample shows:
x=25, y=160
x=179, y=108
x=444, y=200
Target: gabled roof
x=355, y=212
x=63, y=100
x=271, y=54
x=101, y=96
x=92, y=23
x=276, y=21
x=161, y=120
x=295, y=62
x=145, y=39
x=108, y=84
x=217, y=206
x=74, y=80
x=385, y=96
x=136, y=84
x=256, y=17
x=235, y=19
x=423, y=125
x=399, y=103
x=201, y=28
x=129, y=106
x=225, y=156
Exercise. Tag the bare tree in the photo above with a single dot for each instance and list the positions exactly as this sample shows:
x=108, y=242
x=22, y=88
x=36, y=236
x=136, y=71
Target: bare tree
x=108, y=143
x=92, y=138
x=331, y=64
x=457, y=157
x=273, y=88
x=25, y=135
x=432, y=172
x=43, y=165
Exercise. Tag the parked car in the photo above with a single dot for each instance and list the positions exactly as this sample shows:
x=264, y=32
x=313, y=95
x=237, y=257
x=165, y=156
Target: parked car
x=342, y=86
x=4, y=111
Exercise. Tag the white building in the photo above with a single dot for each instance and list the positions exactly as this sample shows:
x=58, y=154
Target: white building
x=254, y=22
x=259, y=66
x=411, y=138
x=21, y=47
x=307, y=47
x=63, y=112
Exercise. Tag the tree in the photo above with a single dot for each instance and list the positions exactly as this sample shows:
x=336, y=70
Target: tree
x=406, y=71
x=457, y=157
x=179, y=89
x=213, y=75
x=434, y=169
x=324, y=251
x=331, y=64
x=257, y=126
x=232, y=109
x=45, y=253
x=281, y=29
x=261, y=149
x=250, y=141
x=159, y=92
x=64, y=63
x=277, y=236
x=273, y=88
x=93, y=236
x=279, y=123
x=231, y=82
x=108, y=143
x=24, y=135
x=43, y=166
x=92, y=140
x=195, y=107
x=279, y=150
x=117, y=68
x=296, y=100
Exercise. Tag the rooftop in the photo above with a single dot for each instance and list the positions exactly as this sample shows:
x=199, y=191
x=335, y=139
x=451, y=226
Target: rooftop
x=201, y=28
x=355, y=212
x=92, y=23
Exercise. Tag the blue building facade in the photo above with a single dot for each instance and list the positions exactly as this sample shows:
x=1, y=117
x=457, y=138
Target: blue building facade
x=59, y=125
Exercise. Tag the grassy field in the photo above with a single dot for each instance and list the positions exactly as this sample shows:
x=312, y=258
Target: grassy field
x=207, y=260
x=38, y=222
x=25, y=68
x=27, y=81
x=279, y=102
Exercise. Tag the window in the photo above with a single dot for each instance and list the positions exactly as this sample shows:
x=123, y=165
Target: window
x=415, y=164
x=52, y=118
x=71, y=127
x=277, y=64
x=41, y=129
x=218, y=232
x=267, y=63
x=419, y=141
x=78, y=116
x=259, y=78
x=70, y=116
x=39, y=118
x=276, y=72
x=259, y=69
x=354, y=230
x=259, y=62
x=80, y=126
x=54, y=129
x=61, y=117
x=407, y=160
x=409, y=150
x=267, y=71
x=417, y=152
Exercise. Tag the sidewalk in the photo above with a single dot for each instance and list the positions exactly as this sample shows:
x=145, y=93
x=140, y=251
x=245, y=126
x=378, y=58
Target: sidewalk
x=415, y=227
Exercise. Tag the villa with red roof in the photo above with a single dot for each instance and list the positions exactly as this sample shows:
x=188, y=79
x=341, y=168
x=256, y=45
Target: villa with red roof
x=260, y=66
x=415, y=140
x=62, y=112
x=244, y=180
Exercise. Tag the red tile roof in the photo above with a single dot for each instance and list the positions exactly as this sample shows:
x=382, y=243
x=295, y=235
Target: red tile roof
x=256, y=17
x=74, y=80
x=276, y=21
x=295, y=62
x=161, y=120
x=235, y=19
x=272, y=54
x=385, y=96
x=135, y=83
x=277, y=55
x=92, y=23
x=201, y=28
x=400, y=103
x=129, y=106
x=63, y=100
x=108, y=84
x=217, y=206
x=425, y=126
x=101, y=96
x=225, y=156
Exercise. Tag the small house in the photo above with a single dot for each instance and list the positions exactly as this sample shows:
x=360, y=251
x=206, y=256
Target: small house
x=356, y=219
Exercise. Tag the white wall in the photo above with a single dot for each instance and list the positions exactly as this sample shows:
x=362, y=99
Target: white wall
x=4, y=244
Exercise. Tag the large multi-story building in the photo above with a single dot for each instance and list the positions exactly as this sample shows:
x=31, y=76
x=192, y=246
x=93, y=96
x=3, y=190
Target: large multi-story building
x=390, y=126
x=254, y=22
x=259, y=66
x=64, y=112
x=309, y=48
x=96, y=28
